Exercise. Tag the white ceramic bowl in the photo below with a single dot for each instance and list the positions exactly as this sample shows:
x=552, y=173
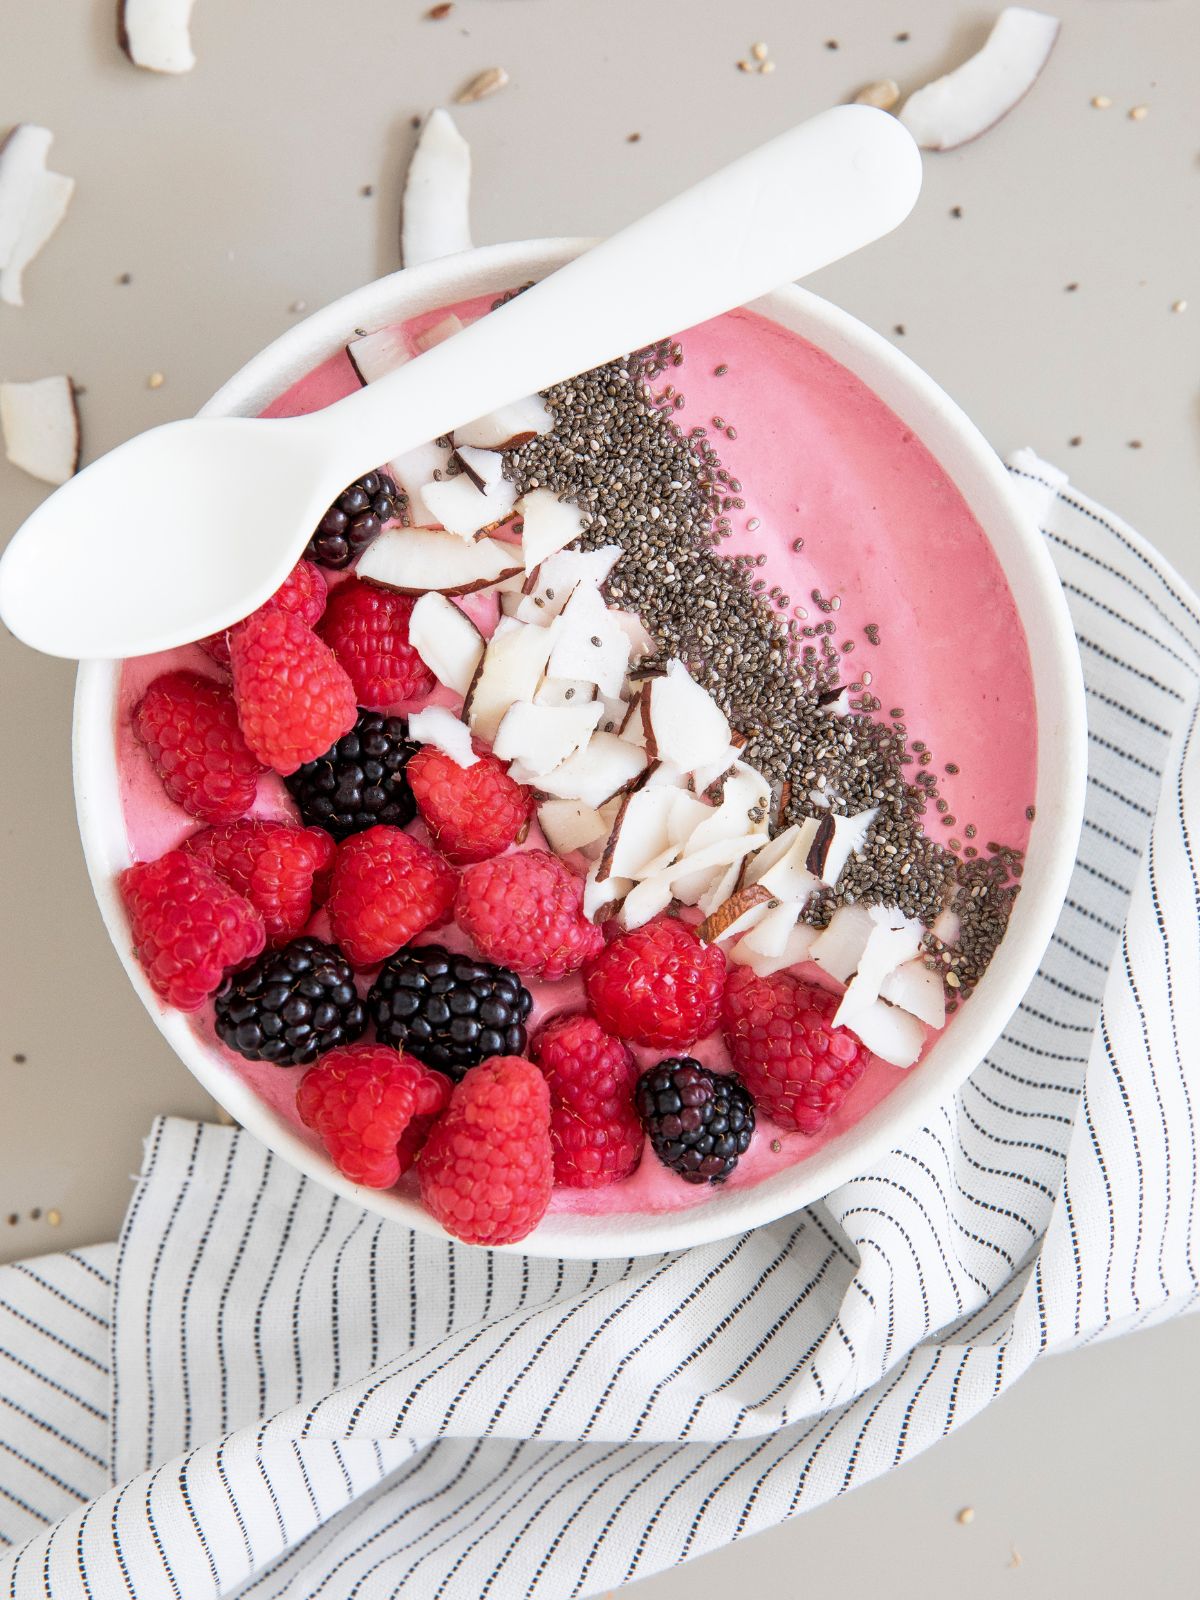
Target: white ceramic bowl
x=969, y=462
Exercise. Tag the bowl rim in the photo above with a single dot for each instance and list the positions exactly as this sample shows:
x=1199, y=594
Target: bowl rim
x=971, y=464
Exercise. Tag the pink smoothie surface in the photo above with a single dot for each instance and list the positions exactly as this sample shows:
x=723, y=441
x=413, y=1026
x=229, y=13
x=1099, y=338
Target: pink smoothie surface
x=821, y=459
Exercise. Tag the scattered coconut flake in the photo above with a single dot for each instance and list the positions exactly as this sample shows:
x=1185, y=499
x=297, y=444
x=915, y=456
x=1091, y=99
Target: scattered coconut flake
x=437, y=194
x=33, y=201
x=640, y=836
x=446, y=640
x=439, y=726
x=51, y=197
x=374, y=355
x=423, y=464
x=917, y=990
x=507, y=427
x=796, y=948
x=481, y=85
x=644, y=900
x=957, y=108
x=743, y=909
x=841, y=944
x=548, y=588
x=439, y=333
x=589, y=643
x=769, y=937
x=603, y=768
x=682, y=721
x=890, y=1034
x=155, y=34
x=550, y=524
x=40, y=424
x=569, y=825
x=513, y=666
x=543, y=737
x=412, y=560
x=463, y=509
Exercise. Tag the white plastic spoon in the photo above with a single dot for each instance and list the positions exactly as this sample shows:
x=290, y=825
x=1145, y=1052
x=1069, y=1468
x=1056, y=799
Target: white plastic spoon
x=185, y=529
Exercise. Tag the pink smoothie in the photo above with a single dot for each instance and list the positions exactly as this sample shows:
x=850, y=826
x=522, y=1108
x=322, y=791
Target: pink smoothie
x=821, y=459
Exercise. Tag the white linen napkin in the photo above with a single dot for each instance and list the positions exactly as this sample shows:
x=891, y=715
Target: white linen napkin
x=265, y=1390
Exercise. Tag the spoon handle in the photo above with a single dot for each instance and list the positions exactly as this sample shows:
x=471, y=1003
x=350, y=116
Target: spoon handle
x=805, y=199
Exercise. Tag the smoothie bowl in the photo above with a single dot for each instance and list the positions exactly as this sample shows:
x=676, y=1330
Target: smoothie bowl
x=640, y=808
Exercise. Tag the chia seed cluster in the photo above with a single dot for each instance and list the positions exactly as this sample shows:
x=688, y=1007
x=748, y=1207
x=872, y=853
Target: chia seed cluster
x=618, y=451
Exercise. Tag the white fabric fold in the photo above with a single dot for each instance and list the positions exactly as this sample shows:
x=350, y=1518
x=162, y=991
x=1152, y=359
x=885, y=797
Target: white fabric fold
x=265, y=1390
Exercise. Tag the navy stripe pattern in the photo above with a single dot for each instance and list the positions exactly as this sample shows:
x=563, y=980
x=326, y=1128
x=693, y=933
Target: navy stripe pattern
x=295, y=1399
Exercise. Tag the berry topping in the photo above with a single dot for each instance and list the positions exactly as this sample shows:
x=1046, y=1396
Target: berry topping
x=471, y=812
x=594, y=1128
x=524, y=911
x=282, y=870
x=781, y=1039
x=372, y=1110
x=449, y=1010
x=657, y=986
x=367, y=630
x=699, y=1121
x=189, y=725
x=302, y=593
x=361, y=781
x=188, y=927
x=293, y=697
x=355, y=518
x=386, y=889
x=291, y=1005
x=486, y=1170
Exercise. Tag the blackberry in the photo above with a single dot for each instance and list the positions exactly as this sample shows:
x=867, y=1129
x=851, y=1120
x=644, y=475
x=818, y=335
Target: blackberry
x=449, y=1010
x=359, y=781
x=291, y=1005
x=698, y=1121
x=355, y=518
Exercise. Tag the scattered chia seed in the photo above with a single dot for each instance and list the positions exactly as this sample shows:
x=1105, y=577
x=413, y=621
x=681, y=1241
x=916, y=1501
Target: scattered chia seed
x=1030, y=813
x=872, y=632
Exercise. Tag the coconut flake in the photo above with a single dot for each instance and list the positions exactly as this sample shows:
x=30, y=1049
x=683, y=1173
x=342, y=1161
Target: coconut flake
x=683, y=722
x=33, y=201
x=423, y=464
x=968, y=101
x=840, y=946
x=437, y=194
x=569, y=825
x=603, y=768
x=640, y=836
x=154, y=34
x=890, y=1034
x=917, y=990
x=439, y=726
x=40, y=424
x=412, y=560
x=543, y=737
x=589, y=644
x=442, y=330
x=51, y=197
x=446, y=640
x=513, y=666
x=463, y=509
x=550, y=524
x=554, y=581
x=508, y=426
x=796, y=948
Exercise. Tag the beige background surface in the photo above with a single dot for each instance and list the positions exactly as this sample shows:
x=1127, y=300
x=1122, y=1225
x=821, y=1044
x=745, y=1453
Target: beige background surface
x=235, y=194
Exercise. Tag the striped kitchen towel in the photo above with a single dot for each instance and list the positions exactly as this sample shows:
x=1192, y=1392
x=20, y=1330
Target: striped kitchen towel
x=263, y=1390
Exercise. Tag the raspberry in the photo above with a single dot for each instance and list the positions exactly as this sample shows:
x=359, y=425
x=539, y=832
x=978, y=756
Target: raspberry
x=486, y=1171
x=798, y=1067
x=372, y=1109
x=699, y=1121
x=367, y=630
x=657, y=986
x=447, y=1009
x=291, y=1004
x=471, y=812
x=386, y=889
x=355, y=518
x=525, y=912
x=594, y=1129
x=189, y=725
x=302, y=593
x=188, y=927
x=280, y=869
x=293, y=698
